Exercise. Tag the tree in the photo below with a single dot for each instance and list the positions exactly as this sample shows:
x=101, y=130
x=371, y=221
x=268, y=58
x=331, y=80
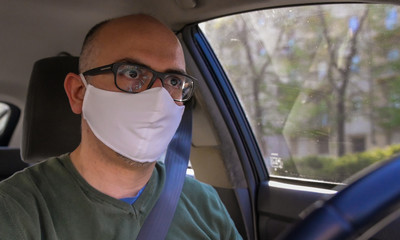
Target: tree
x=386, y=68
x=340, y=84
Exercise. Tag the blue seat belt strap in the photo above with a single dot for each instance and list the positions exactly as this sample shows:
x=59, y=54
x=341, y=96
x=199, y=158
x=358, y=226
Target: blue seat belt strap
x=159, y=220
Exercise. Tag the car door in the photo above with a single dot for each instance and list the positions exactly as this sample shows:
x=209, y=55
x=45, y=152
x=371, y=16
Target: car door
x=301, y=98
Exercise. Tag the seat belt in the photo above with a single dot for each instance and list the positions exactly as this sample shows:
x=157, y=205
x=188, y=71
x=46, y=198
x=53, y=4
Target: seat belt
x=159, y=220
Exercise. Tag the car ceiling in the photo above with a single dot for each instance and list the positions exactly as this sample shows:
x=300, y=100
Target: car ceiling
x=32, y=30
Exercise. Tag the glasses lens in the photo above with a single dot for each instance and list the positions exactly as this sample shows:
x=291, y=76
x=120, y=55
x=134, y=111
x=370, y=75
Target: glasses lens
x=179, y=86
x=132, y=78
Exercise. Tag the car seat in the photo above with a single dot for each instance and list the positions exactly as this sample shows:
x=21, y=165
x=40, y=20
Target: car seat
x=10, y=162
x=50, y=128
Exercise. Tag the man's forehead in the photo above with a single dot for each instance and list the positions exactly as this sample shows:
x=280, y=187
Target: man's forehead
x=143, y=24
x=151, y=43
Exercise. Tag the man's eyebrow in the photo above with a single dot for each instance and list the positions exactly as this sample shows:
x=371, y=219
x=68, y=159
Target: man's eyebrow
x=134, y=61
x=178, y=71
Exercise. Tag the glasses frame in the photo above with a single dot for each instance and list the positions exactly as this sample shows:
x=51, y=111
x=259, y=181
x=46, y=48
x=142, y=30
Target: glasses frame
x=114, y=68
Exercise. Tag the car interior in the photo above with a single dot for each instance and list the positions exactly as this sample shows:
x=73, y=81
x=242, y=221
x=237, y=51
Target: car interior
x=41, y=43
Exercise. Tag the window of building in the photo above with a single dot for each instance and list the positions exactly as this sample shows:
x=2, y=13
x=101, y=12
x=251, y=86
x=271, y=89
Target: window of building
x=358, y=144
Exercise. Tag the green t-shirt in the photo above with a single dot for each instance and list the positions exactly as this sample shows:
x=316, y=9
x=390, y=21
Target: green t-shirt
x=52, y=201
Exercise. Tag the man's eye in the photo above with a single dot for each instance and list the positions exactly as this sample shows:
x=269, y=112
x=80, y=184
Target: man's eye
x=174, y=81
x=132, y=74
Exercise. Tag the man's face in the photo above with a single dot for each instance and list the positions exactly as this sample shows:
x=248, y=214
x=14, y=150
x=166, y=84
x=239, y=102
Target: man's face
x=138, y=40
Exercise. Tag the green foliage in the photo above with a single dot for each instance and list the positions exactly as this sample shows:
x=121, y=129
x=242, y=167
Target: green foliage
x=389, y=117
x=335, y=169
x=288, y=93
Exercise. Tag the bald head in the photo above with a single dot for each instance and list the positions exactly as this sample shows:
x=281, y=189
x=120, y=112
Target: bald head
x=138, y=38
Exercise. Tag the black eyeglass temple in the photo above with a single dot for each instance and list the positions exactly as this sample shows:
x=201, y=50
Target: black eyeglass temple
x=98, y=70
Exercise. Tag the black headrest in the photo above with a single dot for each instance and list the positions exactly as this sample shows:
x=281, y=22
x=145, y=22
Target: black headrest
x=50, y=128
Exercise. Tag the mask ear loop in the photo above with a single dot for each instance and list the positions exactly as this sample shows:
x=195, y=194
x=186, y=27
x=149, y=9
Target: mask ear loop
x=83, y=80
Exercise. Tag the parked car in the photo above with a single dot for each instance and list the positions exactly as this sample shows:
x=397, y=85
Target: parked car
x=297, y=103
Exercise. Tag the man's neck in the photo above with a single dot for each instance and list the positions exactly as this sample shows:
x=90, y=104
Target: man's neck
x=110, y=173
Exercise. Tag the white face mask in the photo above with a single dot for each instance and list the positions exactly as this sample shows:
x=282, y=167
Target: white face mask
x=137, y=126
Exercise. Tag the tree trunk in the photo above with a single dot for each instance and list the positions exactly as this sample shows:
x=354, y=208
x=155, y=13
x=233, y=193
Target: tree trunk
x=340, y=119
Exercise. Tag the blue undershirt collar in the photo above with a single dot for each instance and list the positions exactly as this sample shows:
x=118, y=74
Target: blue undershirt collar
x=131, y=200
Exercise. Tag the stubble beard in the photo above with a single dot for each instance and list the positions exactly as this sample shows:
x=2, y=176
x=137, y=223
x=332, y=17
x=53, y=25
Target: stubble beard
x=132, y=163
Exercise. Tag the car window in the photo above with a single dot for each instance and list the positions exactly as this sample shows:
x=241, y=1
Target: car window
x=5, y=113
x=9, y=116
x=320, y=85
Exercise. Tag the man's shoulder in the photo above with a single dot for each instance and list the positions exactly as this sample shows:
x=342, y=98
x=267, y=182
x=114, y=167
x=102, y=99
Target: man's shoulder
x=201, y=206
x=23, y=199
x=27, y=179
x=194, y=186
x=199, y=193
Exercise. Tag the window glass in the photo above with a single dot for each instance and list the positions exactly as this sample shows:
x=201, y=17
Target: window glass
x=320, y=85
x=5, y=113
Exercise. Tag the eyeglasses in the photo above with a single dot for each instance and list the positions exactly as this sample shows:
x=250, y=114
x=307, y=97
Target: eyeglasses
x=134, y=78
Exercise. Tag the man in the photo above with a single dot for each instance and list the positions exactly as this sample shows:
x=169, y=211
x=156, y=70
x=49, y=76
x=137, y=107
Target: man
x=130, y=94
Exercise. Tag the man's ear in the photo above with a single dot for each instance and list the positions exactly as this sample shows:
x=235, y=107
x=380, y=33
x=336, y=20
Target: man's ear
x=75, y=90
